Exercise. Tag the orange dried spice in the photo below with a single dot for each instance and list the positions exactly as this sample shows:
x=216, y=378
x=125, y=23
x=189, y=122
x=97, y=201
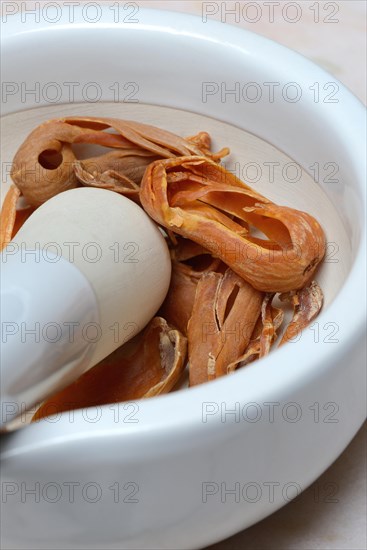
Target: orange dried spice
x=8, y=215
x=223, y=318
x=189, y=263
x=226, y=313
x=227, y=322
x=213, y=306
x=200, y=200
x=150, y=365
x=46, y=163
x=307, y=303
x=263, y=336
x=12, y=217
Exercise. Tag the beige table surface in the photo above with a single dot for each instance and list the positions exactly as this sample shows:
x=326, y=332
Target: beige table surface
x=310, y=522
x=306, y=524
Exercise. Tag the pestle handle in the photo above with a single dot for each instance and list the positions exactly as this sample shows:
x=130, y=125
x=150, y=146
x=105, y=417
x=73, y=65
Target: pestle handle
x=46, y=311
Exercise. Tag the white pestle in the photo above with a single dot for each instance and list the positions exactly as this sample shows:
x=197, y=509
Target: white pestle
x=84, y=274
